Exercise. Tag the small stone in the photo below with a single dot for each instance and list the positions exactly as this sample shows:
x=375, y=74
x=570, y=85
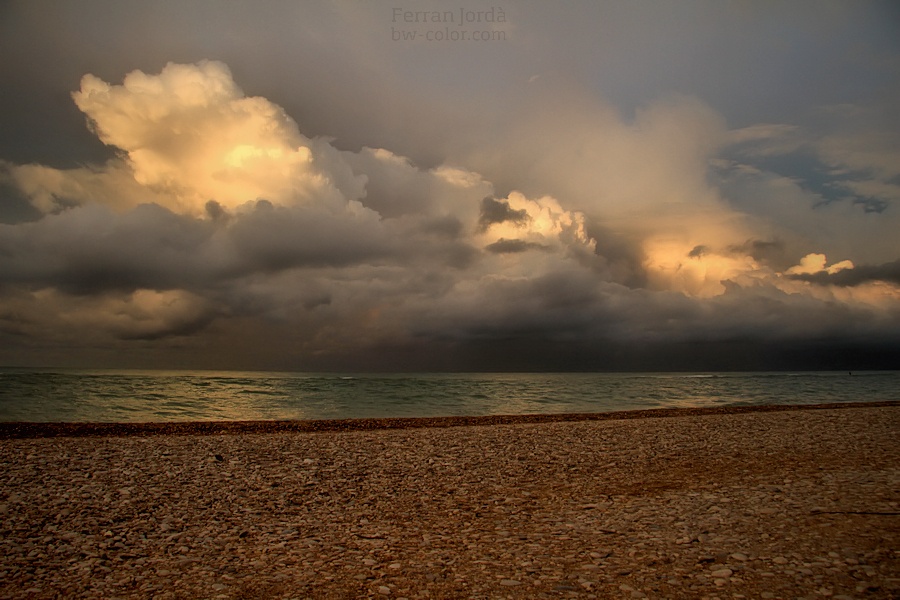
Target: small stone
x=510, y=582
x=722, y=573
x=739, y=556
x=384, y=590
x=780, y=560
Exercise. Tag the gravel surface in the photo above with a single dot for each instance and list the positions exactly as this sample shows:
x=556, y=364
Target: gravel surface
x=778, y=504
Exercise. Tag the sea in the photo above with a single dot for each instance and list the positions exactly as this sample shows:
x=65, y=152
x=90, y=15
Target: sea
x=58, y=395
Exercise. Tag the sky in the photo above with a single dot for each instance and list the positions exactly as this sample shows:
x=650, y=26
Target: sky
x=450, y=186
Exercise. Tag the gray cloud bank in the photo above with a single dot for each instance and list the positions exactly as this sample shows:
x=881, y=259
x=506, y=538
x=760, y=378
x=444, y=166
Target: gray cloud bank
x=888, y=272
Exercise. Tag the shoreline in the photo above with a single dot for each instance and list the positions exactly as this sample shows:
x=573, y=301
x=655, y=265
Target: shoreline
x=37, y=429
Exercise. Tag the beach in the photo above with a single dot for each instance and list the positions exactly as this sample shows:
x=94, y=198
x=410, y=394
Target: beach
x=758, y=502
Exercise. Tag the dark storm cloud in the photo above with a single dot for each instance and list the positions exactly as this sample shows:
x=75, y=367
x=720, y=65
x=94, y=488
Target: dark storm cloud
x=499, y=211
x=504, y=246
x=576, y=308
x=174, y=328
x=850, y=277
x=277, y=238
x=91, y=249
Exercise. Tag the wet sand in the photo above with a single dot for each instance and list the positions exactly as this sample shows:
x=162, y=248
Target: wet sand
x=747, y=502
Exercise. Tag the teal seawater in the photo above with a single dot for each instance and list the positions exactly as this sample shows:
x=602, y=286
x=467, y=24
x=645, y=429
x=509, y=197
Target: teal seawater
x=140, y=396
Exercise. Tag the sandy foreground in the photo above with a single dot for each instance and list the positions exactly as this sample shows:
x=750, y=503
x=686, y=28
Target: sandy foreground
x=682, y=504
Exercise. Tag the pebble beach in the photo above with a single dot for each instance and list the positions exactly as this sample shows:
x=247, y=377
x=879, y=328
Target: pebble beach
x=761, y=502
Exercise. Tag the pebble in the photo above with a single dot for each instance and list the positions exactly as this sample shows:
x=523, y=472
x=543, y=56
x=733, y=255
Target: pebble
x=577, y=509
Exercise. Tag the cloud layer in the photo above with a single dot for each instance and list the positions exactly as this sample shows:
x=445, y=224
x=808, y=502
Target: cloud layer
x=217, y=220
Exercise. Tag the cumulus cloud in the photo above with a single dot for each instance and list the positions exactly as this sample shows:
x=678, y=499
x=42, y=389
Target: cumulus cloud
x=189, y=135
